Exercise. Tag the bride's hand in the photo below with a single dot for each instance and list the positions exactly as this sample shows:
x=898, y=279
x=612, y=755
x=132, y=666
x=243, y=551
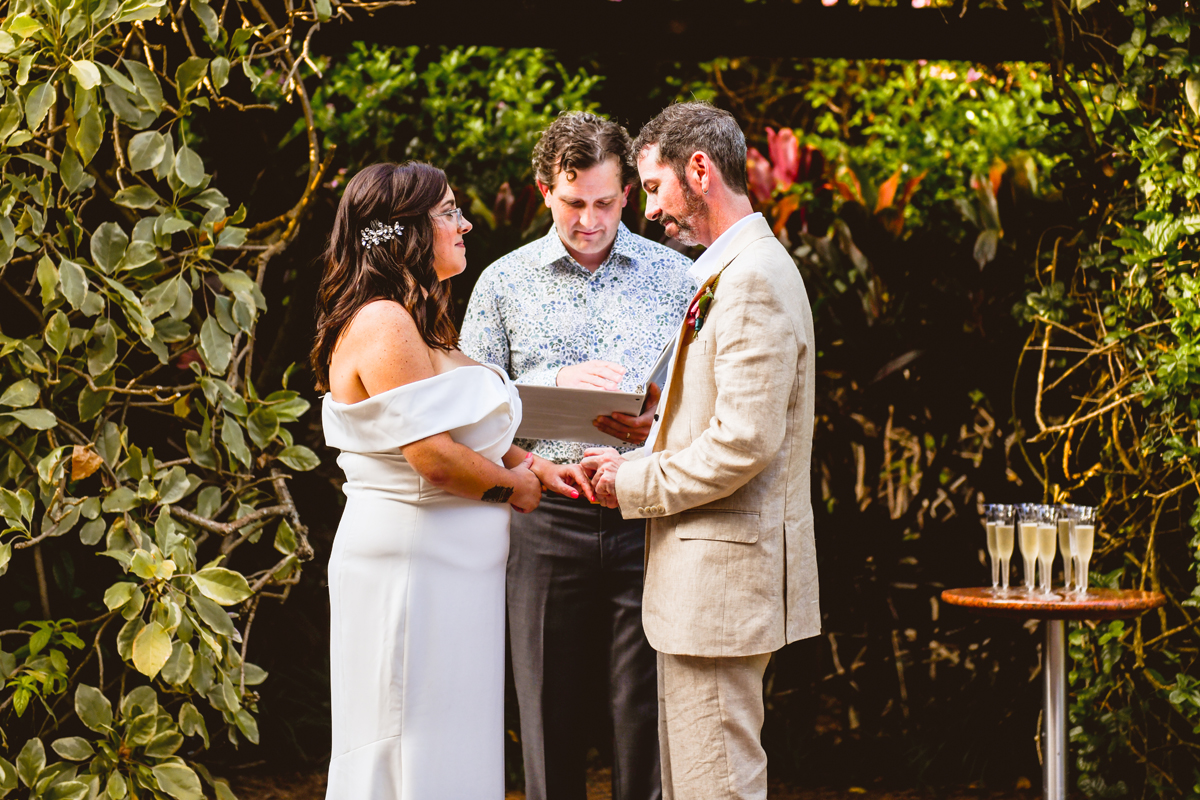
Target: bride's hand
x=528, y=491
x=565, y=479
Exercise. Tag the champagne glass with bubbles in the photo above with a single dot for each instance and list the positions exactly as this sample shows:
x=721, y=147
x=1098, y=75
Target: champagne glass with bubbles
x=989, y=517
x=1004, y=518
x=1065, y=520
x=1047, y=545
x=1085, y=537
x=1028, y=542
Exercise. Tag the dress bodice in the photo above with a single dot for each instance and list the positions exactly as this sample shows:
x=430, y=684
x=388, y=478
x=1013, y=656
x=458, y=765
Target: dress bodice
x=477, y=405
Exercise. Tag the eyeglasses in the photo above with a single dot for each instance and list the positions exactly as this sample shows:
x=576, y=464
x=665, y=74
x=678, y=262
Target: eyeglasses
x=456, y=212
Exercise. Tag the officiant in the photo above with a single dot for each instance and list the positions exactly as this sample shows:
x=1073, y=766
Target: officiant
x=589, y=305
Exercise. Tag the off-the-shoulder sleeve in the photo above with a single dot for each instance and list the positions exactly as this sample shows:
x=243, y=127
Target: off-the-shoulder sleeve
x=400, y=416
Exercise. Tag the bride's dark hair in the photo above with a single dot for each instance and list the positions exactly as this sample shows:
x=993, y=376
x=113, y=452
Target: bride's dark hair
x=400, y=269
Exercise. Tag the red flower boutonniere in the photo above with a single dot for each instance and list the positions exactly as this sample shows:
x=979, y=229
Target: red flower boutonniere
x=698, y=312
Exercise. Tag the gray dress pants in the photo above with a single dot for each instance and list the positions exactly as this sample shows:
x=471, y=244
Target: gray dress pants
x=575, y=582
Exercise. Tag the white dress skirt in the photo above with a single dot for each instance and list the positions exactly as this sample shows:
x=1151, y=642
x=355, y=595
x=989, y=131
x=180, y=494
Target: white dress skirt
x=416, y=591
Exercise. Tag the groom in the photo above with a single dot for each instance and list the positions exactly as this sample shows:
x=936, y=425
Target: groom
x=731, y=569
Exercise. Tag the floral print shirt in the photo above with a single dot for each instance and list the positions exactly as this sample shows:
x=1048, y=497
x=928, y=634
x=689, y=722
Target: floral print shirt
x=537, y=310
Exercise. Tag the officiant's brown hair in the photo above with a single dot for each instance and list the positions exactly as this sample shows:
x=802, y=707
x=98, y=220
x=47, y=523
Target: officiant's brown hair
x=579, y=140
x=399, y=269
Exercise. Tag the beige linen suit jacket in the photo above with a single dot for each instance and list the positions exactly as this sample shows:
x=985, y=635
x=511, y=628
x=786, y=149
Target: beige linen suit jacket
x=731, y=566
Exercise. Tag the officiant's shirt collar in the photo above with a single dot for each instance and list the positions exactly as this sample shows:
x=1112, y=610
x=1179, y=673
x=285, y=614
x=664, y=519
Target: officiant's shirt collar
x=624, y=251
x=710, y=260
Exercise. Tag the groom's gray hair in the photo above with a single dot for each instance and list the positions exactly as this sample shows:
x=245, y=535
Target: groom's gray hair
x=683, y=129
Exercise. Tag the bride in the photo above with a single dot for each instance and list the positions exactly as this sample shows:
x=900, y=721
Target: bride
x=416, y=577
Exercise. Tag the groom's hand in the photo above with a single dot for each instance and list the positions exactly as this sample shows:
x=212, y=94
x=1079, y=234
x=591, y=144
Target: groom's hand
x=632, y=429
x=591, y=375
x=602, y=464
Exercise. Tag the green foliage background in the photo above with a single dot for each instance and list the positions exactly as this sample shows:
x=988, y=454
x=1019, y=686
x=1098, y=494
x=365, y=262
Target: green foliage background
x=1005, y=290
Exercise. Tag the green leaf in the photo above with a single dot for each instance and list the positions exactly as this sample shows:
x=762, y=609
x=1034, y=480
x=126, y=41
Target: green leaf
x=120, y=499
x=102, y=354
x=21, y=394
x=116, y=789
x=39, y=419
x=231, y=436
x=207, y=17
x=108, y=246
x=93, y=708
x=73, y=748
x=22, y=25
x=220, y=71
x=191, y=72
x=247, y=725
x=179, y=666
x=151, y=649
x=90, y=135
x=147, y=82
x=164, y=744
x=86, y=73
x=324, y=10
x=191, y=722
x=263, y=425
x=66, y=790
x=299, y=458
x=200, y=450
x=285, y=538
x=38, y=103
x=174, y=486
x=223, y=586
x=132, y=10
x=118, y=594
x=178, y=780
x=8, y=776
x=137, y=197
x=73, y=175
x=188, y=167
x=216, y=348
x=74, y=283
x=47, y=277
x=146, y=150
x=31, y=761
x=214, y=616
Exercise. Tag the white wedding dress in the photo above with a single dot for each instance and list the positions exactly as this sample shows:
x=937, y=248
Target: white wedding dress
x=416, y=591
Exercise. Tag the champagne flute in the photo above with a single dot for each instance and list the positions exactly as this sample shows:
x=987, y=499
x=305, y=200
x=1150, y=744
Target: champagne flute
x=1085, y=537
x=1004, y=541
x=989, y=516
x=1028, y=541
x=1066, y=516
x=1047, y=545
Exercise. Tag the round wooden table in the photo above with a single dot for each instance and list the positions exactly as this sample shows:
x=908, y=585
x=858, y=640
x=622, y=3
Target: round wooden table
x=1055, y=608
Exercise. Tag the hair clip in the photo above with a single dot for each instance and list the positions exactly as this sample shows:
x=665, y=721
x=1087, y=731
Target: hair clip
x=377, y=233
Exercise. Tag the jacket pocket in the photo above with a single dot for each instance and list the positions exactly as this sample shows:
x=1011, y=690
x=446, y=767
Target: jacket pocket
x=719, y=525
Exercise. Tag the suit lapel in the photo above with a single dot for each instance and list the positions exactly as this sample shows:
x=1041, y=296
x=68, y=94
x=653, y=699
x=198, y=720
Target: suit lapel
x=754, y=231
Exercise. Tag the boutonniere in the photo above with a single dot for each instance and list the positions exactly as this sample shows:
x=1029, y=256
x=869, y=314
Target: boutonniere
x=698, y=312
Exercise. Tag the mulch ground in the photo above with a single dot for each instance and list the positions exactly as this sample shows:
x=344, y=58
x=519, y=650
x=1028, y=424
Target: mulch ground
x=311, y=786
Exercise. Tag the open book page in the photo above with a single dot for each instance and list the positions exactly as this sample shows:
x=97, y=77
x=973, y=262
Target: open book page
x=565, y=415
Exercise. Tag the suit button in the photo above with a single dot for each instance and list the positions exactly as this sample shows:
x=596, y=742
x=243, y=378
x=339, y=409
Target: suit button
x=641, y=510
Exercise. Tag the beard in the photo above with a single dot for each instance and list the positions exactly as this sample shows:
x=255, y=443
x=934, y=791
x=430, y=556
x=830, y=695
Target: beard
x=694, y=212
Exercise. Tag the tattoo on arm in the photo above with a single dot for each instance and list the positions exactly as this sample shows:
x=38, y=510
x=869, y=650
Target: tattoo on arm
x=497, y=494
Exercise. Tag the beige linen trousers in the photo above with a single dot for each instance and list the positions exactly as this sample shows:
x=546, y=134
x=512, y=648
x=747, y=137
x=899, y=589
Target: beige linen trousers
x=731, y=568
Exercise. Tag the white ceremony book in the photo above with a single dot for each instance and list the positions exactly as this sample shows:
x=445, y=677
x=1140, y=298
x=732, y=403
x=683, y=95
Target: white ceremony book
x=565, y=415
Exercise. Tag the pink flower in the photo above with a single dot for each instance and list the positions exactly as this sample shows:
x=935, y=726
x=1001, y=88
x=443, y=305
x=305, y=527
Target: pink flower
x=785, y=153
x=758, y=169
x=829, y=2
x=920, y=3
x=973, y=75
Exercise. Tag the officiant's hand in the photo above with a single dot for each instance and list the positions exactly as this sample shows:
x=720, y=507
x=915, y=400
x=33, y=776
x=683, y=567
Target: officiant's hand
x=591, y=375
x=602, y=464
x=632, y=429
